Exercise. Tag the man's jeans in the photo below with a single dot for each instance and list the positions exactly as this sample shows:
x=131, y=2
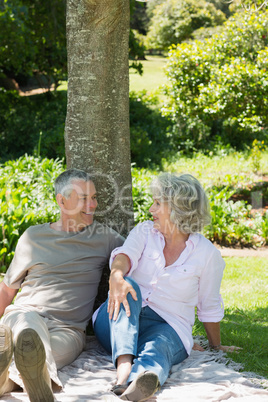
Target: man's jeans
x=154, y=344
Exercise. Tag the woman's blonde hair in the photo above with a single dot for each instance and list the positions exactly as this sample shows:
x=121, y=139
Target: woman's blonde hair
x=187, y=200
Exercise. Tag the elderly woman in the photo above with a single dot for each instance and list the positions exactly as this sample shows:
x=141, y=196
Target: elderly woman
x=162, y=272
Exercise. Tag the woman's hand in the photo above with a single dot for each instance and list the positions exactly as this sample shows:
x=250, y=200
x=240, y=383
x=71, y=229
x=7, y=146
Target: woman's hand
x=119, y=289
x=230, y=349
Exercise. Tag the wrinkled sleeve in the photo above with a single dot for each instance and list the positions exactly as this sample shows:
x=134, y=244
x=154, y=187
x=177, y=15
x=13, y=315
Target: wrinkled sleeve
x=210, y=304
x=133, y=246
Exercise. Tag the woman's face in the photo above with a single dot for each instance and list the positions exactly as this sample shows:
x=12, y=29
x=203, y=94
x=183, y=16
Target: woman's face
x=161, y=216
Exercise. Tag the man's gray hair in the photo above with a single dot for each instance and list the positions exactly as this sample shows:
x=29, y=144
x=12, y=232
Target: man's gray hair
x=63, y=183
x=187, y=200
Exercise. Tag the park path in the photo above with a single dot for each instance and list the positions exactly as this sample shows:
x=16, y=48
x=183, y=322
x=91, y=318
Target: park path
x=243, y=252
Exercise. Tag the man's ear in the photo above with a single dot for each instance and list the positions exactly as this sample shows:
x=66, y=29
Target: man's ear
x=60, y=199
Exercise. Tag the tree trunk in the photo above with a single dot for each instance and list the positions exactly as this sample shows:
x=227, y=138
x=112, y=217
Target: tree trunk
x=97, y=122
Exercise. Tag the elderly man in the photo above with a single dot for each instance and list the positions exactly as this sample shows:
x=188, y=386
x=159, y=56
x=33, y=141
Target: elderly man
x=58, y=267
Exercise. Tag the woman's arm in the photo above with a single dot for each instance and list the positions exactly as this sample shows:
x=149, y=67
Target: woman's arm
x=214, y=337
x=119, y=288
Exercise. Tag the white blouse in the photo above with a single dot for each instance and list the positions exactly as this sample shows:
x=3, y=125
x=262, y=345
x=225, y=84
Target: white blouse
x=174, y=291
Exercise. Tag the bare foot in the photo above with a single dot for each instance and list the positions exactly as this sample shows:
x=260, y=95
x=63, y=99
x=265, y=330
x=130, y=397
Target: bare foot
x=198, y=347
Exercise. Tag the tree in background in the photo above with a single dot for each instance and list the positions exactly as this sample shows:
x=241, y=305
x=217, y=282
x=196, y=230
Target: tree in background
x=174, y=21
x=32, y=41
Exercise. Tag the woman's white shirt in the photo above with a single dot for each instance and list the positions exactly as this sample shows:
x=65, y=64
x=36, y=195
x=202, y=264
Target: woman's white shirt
x=174, y=291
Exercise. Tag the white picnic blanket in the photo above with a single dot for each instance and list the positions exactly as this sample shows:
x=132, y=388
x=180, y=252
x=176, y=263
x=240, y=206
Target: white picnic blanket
x=203, y=376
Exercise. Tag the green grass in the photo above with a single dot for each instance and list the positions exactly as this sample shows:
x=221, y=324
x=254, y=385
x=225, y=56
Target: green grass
x=153, y=75
x=152, y=79
x=244, y=291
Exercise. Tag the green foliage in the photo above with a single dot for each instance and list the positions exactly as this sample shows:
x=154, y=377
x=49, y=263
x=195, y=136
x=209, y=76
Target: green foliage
x=142, y=199
x=23, y=119
x=255, y=153
x=148, y=131
x=174, y=21
x=27, y=198
x=218, y=87
x=37, y=122
x=232, y=223
x=32, y=38
x=136, y=51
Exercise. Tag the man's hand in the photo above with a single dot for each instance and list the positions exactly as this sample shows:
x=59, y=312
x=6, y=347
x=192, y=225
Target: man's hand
x=119, y=289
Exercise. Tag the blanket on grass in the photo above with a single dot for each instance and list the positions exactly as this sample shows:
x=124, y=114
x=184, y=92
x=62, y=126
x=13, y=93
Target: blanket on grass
x=203, y=376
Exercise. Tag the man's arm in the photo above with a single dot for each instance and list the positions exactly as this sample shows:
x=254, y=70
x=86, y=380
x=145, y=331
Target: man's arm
x=214, y=337
x=6, y=296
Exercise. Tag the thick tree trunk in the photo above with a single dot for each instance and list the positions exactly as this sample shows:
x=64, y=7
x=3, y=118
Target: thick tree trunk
x=97, y=122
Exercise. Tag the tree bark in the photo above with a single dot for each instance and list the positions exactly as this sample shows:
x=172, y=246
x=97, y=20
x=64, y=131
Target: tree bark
x=97, y=135
x=97, y=122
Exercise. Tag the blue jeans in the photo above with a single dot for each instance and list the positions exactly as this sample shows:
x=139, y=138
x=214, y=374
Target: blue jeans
x=154, y=344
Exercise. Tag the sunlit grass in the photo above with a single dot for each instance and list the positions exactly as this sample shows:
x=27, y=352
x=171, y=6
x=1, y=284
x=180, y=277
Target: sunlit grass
x=244, y=290
x=233, y=168
x=153, y=75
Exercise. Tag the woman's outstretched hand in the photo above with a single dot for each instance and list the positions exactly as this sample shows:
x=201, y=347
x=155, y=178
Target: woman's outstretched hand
x=230, y=349
x=119, y=289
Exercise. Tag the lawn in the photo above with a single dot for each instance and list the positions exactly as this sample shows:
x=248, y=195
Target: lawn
x=153, y=75
x=244, y=290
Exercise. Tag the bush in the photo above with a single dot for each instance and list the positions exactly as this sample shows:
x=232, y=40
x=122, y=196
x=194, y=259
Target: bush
x=218, y=87
x=26, y=198
x=149, y=131
x=24, y=118
x=35, y=125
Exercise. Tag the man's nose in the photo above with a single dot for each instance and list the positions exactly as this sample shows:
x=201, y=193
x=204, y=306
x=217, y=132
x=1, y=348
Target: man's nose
x=92, y=204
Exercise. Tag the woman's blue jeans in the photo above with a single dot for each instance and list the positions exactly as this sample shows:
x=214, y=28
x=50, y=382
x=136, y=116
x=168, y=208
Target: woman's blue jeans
x=154, y=344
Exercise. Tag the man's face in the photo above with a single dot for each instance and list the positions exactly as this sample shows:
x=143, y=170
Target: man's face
x=78, y=209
